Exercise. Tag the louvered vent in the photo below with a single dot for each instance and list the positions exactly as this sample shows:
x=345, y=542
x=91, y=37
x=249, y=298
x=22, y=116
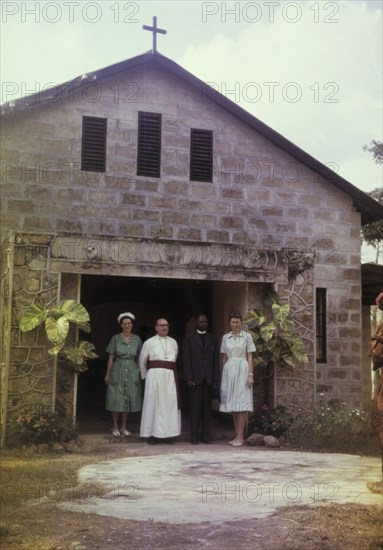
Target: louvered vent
x=201, y=155
x=149, y=145
x=93, y=154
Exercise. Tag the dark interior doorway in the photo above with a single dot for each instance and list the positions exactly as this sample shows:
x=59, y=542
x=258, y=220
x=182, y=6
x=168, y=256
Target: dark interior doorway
x=105, y=297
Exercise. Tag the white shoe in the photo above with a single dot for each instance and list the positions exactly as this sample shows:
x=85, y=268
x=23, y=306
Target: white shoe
x=126, y=433
x=116, y=433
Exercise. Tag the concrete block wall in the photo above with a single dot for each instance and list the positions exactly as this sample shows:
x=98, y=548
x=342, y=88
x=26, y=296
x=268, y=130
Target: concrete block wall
x=259, y=193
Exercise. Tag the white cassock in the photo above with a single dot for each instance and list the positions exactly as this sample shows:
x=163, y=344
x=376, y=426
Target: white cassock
x=160, y=414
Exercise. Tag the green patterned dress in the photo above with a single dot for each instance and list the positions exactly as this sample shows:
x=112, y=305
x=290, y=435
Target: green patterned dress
x=123, y=393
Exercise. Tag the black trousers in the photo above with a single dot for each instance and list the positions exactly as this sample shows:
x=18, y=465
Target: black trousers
x=200, y=415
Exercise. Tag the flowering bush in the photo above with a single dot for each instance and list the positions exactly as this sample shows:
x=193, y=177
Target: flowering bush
x=40, y=425
x=332, y=427
x=272, y=421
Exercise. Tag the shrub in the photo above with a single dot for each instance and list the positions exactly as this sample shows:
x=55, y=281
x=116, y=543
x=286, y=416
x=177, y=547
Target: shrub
x=332, y=427
x=272, y=421
x=40, y=425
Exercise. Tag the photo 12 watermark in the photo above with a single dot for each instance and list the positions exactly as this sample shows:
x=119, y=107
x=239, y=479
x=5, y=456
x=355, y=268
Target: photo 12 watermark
x=84, y=89
x=81, y=493
x=69, y=12
x=268, y=493
x=270, y=12
x=236, y=170
x=271, y=92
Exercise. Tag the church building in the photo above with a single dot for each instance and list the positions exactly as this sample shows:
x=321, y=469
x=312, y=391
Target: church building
x=140, y=188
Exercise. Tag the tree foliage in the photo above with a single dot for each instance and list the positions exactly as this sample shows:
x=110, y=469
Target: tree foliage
x=372, y=233
x=376, y=149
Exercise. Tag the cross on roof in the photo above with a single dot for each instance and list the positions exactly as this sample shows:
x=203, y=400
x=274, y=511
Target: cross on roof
x=155, y=31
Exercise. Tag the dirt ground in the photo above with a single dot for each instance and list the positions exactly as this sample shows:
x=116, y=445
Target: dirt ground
x=31, y=519
x=45, y=527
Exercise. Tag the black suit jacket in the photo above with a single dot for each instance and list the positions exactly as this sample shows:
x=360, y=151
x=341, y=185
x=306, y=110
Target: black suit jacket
x=200, y=362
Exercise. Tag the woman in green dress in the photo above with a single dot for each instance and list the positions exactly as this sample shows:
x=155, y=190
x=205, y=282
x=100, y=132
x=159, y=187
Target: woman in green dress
x=123, y=394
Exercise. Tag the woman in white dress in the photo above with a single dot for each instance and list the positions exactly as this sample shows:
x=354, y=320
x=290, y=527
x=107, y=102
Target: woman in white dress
x=237, y=377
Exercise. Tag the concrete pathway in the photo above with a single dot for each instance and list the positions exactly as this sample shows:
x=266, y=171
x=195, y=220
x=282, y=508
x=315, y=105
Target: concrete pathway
x=181, y=483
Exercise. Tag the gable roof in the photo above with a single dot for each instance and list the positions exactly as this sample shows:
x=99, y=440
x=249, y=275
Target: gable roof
x=369, y=208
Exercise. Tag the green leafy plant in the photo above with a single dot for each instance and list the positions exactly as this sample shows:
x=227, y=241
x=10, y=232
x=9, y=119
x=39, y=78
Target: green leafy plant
x=332, y=427
x=274, y=421
x=57, y=321
x=273, y=330
x=40, y=425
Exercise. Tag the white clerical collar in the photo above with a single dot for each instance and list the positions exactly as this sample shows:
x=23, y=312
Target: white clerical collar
x=201, y=331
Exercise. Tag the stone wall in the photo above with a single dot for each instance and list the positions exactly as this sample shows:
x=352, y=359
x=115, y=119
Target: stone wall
x=341, y=377
x=297, y=389
x=31, y=376
x=31, y=370
x=6, y=280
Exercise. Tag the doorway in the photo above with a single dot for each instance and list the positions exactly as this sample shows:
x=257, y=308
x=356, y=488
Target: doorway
x=105, y=297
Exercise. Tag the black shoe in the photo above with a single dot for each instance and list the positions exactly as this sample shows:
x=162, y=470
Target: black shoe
x=168, y=440
x=194, y=442
x=206, y=441
x=152, y=440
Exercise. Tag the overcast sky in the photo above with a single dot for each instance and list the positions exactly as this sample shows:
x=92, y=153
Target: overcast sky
x=309, y=69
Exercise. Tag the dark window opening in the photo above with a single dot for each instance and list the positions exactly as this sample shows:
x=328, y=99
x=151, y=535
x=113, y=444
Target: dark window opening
x=201, y=155
x=321, y=325
x=149, y=145
x=93, y=152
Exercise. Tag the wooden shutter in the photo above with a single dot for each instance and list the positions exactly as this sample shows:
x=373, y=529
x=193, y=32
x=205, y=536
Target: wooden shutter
x=149, y=145
x=93, y=154
x=201, y=155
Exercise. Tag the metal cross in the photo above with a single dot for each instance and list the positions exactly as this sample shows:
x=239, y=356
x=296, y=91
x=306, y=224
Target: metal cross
x=155, y=31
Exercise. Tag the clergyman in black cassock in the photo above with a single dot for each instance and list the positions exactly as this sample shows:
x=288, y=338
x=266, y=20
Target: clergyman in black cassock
x=200, y=354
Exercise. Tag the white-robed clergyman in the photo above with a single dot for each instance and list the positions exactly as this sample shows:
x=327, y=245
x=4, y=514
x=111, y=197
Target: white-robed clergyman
x=161, y=415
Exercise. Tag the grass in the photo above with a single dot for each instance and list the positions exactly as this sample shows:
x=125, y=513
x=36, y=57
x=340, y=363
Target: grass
x=31, y=477
x=337, y=527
